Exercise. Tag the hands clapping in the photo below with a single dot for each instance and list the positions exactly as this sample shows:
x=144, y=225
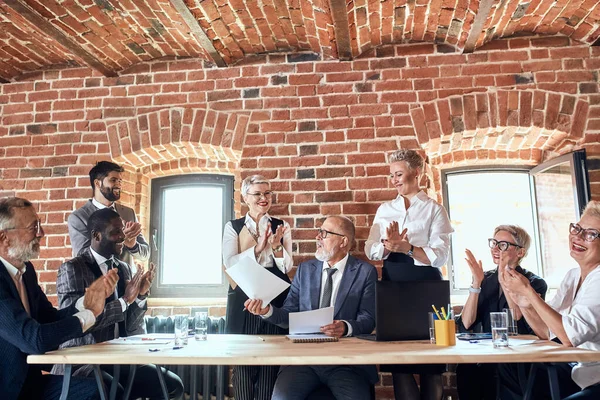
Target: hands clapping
x=396, y=241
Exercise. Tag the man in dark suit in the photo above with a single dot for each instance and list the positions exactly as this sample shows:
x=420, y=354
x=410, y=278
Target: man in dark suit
x=28, y=322
x=335, y=279
x=125, y=308
x=106, y=181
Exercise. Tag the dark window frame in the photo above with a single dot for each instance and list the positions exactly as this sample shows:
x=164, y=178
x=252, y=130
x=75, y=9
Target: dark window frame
x=159, y=185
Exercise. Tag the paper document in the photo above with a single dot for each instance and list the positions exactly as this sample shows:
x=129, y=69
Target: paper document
x=310, y=321
x=256, y=281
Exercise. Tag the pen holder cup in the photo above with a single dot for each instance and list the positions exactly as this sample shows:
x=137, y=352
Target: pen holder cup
x=445, y=332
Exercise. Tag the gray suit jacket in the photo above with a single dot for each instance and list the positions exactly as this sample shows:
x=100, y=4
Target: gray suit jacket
x=74, y=276
x=80, y=237
x=355, y=301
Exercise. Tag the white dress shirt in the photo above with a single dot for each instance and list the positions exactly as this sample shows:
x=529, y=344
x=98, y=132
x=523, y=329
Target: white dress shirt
x=231, y=254
x=427, y=224
x=581, y=320
x=86, y=317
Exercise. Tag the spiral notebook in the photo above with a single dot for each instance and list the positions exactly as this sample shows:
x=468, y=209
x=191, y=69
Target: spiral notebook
x=311, y=338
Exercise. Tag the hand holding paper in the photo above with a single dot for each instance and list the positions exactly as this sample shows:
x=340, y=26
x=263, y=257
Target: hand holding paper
x=256, y=281
x=310, y=321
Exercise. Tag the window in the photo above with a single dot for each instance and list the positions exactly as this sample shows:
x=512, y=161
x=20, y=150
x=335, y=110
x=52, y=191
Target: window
x=188, y=213
x=543, y=201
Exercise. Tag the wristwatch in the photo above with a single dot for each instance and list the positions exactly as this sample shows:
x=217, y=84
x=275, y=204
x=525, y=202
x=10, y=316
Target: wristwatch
x=410, y=252
x=276, y=249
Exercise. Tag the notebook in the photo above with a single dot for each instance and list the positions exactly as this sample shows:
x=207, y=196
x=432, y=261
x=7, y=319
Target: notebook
x=311, y=338
x=402, y=308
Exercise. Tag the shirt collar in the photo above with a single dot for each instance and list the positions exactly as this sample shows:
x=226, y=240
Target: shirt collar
x=250, y=222
x=12, y=270
x=420, y=196
x=340, y=265
x=99, y=205
x=99, y=258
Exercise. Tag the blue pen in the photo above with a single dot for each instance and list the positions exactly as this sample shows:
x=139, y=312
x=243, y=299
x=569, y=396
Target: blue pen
x=473, y=341
x=177, y=347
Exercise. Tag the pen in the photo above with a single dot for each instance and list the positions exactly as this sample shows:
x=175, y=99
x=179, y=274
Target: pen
x=263, y=339
x=177, y=347
x=436, y=311
x=444, y=314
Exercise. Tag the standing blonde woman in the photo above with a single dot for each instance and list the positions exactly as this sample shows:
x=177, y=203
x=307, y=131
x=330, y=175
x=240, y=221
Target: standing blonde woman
x=411, y=234
x=269, y=241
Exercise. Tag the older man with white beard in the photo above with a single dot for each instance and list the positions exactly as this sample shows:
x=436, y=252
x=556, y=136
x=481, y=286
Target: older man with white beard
x=28, y=322
x=335, y=279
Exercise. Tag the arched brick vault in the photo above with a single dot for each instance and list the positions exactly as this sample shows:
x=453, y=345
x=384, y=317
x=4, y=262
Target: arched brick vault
x=497, y=127
x=175, y=141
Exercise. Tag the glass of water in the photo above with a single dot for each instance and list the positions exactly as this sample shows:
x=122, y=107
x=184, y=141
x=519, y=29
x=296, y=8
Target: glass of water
x=432, y=318
x=201, y=325
x=512, y=322
x=499, y=322
x=181, y=329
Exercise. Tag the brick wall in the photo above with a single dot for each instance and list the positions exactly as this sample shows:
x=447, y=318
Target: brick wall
x=318, y=129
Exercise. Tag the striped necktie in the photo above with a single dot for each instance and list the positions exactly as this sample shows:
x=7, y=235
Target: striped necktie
x=326, y=300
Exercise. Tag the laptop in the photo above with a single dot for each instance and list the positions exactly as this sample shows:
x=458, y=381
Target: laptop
x=402, y=309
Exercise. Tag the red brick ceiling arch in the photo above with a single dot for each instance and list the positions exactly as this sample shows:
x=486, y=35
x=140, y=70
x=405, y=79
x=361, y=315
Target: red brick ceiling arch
x=500, y=120
x=178, y=133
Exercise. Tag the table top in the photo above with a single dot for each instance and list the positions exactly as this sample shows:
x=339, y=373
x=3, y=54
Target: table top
x=277, y=350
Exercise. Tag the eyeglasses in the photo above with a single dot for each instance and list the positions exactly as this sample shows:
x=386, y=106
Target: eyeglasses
x=501, y=244
x=589, y=235
x=267, y=195
x=37, y=228
x=323, y=233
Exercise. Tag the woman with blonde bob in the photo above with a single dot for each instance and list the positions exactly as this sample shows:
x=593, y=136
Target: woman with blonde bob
x=411, y=234
x=268, y=241
x=572, y=317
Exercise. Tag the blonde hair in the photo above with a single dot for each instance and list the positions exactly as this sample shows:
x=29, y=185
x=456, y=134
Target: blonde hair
x=253, y=180
x=592, y=209
x=519, y=234
x=411, y=157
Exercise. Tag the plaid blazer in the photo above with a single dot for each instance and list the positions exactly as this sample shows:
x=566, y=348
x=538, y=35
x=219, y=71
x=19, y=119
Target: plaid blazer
x=74, y=276
x=21, y=334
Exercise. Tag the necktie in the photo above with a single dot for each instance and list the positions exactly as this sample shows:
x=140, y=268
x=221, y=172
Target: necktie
x=111, y=263
x=326, y=299
x=22, y=291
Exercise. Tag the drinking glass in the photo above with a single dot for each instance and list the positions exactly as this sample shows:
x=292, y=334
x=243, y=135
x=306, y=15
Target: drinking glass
x=181, y=330
x=432, y=318
x=201, y=325
x=499, y=322
x=512, y=322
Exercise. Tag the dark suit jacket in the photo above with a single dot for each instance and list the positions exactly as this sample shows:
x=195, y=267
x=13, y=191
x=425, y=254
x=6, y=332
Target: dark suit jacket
x=21, y=334
x=355, y=301
x=490, y=300
x=80, y=237
x=74, y=276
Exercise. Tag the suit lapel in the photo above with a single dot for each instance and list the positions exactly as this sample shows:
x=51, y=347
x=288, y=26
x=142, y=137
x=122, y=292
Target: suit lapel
x=348, y=278
x=90, y=261
x=315, y=284
x=6, y=276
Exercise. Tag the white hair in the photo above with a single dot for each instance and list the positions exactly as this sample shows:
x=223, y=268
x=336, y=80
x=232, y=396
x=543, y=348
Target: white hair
x=253, y=180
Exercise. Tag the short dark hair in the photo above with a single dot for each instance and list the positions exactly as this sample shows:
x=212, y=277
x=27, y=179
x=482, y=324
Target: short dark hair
x=7, y=206
x=100, y=219
x=102, y=169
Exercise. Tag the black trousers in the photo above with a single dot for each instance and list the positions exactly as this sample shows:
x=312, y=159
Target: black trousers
x=477, y=381
x=513, y=383
x=145, y=383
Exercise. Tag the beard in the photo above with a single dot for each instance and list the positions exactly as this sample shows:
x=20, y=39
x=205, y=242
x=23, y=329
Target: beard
x=109, y=194
x=25, y=251
x=323, y=255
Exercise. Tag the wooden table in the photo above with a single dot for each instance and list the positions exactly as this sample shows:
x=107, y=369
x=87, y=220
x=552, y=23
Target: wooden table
x=277, y=350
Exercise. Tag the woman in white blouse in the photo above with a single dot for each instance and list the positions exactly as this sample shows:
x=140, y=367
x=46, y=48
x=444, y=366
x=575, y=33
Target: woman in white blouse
x=571, y=317
x=411, y=234
x=268, y=241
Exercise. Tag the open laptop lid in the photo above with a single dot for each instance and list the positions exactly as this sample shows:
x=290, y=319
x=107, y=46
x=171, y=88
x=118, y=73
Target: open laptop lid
x=403, y=307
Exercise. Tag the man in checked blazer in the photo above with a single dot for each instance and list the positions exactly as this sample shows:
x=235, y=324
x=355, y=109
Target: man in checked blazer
x=106, y=181
x=334, y=279
x=125, y=308
x=28, y=322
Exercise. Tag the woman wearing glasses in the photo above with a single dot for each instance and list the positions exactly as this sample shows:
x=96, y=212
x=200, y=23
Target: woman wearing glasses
x=486, y=295
x=267, y=240
x=572, y=317
x=411, y=234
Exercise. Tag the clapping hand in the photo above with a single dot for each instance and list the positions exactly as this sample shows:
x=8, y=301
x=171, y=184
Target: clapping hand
x=110, y=282
x=132, y=289
x=476, y=268
x=516, y=285
x=146, y=280
x=396, y=241
x=95, y=296
x=131, y=230
x=263, y=240
x=275, y=239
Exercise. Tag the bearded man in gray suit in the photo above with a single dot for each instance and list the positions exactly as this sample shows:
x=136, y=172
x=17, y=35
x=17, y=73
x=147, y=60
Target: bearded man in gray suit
x=106, y=181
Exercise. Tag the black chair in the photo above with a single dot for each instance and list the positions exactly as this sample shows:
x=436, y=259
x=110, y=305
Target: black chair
x=323, y=393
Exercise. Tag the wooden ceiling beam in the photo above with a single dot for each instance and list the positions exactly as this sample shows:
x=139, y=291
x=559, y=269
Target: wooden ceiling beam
x=341, y=28
x=48, y=29
x=483, y=13
x=198, y=32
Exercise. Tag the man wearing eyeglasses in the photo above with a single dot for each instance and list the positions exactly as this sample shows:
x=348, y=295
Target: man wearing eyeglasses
x=29, y=324
x=106, y=181
x=486, y=295
x=335, y=279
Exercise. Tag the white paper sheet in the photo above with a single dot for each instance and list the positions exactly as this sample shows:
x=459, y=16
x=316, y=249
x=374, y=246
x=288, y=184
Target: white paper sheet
x=256, y=281
x=310, y=321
